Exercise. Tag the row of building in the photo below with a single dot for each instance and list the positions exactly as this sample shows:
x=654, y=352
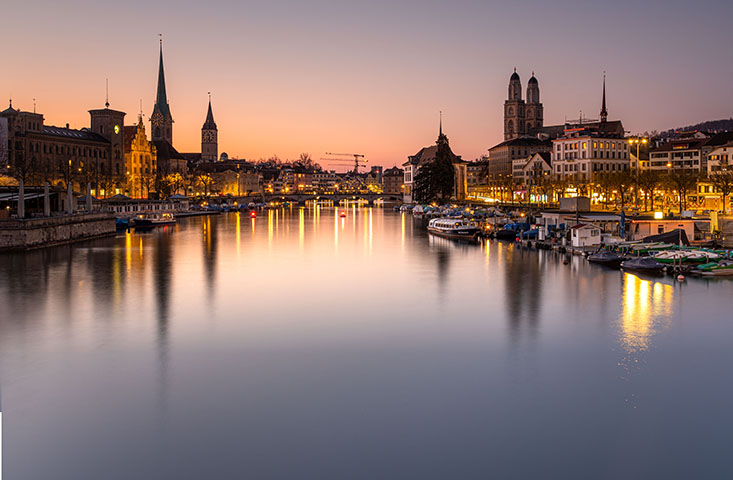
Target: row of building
x=112, y=157
x=576, y=151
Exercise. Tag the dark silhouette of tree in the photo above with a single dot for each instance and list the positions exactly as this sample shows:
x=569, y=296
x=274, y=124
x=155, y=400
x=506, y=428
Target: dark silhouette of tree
x=723, y=183
x=683, y=181
x=649, y=180
x=435, y=179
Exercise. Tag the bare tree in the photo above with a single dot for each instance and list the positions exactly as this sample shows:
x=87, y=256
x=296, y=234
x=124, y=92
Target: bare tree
x=683, y=181
x=723, y=183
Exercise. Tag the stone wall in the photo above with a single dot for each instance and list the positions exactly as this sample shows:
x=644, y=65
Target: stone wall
x=45, y=232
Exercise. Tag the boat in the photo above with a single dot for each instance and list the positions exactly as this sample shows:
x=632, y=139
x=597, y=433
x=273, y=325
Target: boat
x=723, y=268
x=607, y=258
x=122, y=223
x=685, y=256
x=453, y=228
x=154, y=220
x=643, y=264
x=646, y=248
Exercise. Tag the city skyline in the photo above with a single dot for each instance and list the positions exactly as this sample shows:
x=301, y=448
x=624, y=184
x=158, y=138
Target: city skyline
x=333, y=89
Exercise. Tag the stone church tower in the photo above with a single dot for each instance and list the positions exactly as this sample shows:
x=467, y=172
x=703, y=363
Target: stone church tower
x=514, y=122
x=161, y=119
x=209, y=138
x=522, y=118
x=534, y=113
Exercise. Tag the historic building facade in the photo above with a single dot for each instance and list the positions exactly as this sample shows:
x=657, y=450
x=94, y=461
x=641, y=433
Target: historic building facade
x=39, y=153
x=426, y=155
x=141, y=163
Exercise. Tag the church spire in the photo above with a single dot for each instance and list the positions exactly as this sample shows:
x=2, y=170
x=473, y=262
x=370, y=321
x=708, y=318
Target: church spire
x=442, y=139
x=604, y=111
x=161, y=98
x=209, y=124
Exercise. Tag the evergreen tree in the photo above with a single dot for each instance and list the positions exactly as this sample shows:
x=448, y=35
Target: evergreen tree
x=435, y=180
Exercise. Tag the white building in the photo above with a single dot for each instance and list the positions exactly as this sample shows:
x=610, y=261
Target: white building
x=531, y=169
x=588, y=150
x=720, y=159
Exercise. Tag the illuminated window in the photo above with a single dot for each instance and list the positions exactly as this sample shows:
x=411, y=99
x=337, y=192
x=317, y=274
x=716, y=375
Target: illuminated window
x=585, y=145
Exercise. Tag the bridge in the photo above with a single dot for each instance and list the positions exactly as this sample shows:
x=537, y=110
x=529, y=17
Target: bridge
x=302, y=198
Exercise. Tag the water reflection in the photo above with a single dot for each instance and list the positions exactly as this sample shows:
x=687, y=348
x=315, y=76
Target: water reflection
x=646, y=305
x=522, y=289
x=210, y=233
x=434, y=352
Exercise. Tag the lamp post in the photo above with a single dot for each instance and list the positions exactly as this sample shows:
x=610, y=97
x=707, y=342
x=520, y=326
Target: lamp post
x=638, y=141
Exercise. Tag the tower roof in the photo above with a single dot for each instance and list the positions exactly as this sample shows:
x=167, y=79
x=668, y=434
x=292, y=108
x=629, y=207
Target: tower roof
x=209, y=124
x=604, y=111
x=532, y=80
x=161, y=98
x=515, y=75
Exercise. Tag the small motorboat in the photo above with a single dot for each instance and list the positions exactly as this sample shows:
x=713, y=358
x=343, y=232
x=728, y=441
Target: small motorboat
x=453, y=228
x=643, y=264
x=723, y=268
x=342, y=214
x=685, y=256
x=607, y=258
x=150, y=220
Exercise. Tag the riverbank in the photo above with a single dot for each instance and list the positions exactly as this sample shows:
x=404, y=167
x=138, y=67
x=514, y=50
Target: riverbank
x=30, y=233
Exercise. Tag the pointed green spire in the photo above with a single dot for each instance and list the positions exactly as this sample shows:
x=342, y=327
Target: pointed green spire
x=161, y=99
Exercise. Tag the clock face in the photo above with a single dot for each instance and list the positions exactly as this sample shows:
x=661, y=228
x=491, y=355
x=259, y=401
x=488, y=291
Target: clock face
x=117, y=129
x=157, y=119
x=208, y=137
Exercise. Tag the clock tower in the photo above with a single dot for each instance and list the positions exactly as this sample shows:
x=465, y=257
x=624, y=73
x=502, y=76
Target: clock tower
x=161, y=119
x=209, y=138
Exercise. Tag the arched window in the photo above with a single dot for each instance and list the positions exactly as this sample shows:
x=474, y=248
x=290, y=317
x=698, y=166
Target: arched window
x=510, y=127
x=511, y=111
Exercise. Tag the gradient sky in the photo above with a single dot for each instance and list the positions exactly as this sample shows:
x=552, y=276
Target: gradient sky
x=368, y=77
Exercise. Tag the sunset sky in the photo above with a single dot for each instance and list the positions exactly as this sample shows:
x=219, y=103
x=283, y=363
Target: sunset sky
x=368, y=77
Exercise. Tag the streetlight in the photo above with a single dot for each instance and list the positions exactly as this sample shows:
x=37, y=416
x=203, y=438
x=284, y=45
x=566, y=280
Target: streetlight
x=638, y=141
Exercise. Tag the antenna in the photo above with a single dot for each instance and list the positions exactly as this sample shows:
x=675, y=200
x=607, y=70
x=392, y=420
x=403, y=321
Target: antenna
x=34, y=105
x=106, y=102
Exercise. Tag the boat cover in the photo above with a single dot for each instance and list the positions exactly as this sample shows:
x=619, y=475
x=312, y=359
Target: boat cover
x=672, y=237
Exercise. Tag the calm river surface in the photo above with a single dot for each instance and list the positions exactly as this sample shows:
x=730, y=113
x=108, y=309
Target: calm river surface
x=301, y=345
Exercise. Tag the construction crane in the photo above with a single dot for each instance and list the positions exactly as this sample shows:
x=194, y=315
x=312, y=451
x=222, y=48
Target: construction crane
x=358, y=158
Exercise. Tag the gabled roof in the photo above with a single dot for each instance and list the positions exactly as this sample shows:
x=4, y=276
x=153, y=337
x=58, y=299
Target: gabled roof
x=128, y=133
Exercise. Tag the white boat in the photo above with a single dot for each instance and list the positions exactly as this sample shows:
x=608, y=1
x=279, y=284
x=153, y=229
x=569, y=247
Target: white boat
x=453, y=228
x=154, y=219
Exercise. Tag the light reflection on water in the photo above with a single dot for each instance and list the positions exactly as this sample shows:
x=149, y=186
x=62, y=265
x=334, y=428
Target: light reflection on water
x=647, y=306
x=305, y=345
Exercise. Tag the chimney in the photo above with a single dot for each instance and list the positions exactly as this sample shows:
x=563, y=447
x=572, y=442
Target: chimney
x=67, y=125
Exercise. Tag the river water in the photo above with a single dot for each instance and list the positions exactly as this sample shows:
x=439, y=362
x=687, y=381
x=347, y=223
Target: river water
x=303, y=345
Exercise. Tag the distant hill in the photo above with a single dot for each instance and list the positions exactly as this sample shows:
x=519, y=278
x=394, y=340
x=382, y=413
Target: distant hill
x=712, y=126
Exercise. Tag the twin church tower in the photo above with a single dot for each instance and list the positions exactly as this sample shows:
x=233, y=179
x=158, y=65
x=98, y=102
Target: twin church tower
x=162, y=120
x=520, y=117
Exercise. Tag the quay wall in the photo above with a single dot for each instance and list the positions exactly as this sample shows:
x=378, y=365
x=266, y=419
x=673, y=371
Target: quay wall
x=31, y=233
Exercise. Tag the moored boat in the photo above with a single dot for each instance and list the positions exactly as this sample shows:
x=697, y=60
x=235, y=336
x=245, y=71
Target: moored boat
x=643, y=264
x=154, y=220
x=685, y=256
x=453, y=228
x=606, y=258
x=723, y=268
